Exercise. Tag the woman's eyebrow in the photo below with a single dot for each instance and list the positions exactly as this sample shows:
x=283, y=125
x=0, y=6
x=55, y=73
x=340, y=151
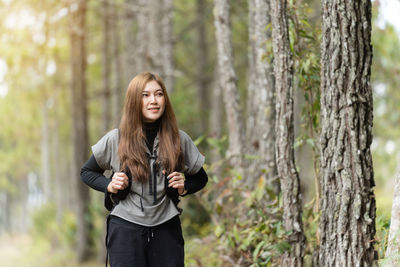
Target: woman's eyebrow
x=146, y=91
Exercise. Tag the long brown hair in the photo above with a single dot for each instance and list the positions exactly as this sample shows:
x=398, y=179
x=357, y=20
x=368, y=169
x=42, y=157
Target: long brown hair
x=132, y=144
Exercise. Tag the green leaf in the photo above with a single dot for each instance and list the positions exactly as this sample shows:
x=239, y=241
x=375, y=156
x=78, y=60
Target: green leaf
x=219, y=230
x=257, y=250
x=199, y=140
x=283, y=246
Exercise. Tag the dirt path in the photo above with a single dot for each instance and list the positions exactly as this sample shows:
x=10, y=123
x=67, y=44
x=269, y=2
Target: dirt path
x=12, y=249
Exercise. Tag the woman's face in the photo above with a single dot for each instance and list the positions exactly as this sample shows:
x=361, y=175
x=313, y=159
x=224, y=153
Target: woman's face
x=153, y=101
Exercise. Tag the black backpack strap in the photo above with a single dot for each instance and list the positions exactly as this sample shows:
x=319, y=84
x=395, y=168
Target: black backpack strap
x=110, y=205
x=108, y=201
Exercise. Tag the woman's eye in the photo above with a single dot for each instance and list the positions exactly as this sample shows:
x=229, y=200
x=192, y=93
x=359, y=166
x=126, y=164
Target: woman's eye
x=145, y=95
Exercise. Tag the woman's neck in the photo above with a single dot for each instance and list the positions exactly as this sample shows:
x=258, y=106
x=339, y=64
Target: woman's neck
x=149, y=126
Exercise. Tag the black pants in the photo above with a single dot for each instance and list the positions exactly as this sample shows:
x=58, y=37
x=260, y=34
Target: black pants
x=133, y=245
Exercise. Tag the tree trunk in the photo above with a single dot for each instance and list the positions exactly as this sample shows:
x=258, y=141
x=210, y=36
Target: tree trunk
x=289, y=178
x=252, y=172
x=227, y=81
x=131, y=48
x=61, y=171
x=251, y=70
x=118, y=88
x=79, y=124
x=261, y=100
x=58, y=170
x=141, y=37
x=215, y=124
x=106, y=67
x=45, y=153
x=202, y=64
x=393, y=249
x=347, y=222
x=7, y=215
x=154, y=39
x=153, y=60
x=166, y=43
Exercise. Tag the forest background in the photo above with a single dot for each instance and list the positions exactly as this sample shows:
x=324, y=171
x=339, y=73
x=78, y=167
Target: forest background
x=42, y=62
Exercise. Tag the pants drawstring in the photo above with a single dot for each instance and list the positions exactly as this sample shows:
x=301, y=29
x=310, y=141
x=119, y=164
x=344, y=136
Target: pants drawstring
x=149, y=232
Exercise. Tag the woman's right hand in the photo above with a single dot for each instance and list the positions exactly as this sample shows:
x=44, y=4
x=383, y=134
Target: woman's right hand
x=119, y=181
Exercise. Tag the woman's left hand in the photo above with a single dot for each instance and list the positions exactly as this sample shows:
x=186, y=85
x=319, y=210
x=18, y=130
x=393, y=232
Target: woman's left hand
x=177, y=180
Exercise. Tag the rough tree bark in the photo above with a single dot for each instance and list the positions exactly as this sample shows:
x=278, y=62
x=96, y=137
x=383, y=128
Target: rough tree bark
x=227, y=81
x=261, y=100
x=289, y=178
x=347, y=223
x=79, y=122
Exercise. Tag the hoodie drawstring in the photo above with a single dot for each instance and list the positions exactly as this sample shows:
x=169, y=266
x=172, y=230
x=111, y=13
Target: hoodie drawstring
x=153, y=178
x=141, y=202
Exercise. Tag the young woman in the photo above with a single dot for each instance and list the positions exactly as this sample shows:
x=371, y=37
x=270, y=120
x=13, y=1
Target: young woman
x=153, y=163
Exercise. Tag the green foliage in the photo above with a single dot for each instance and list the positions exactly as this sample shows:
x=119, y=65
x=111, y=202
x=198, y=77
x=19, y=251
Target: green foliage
x=27, y=55
x=385, y=83
x=219, y=144
x=202, y=252
x=249, y=230
x=310, y=226
x=195, y=218
x=382, y=234
x=306, y=41
x=45, y=226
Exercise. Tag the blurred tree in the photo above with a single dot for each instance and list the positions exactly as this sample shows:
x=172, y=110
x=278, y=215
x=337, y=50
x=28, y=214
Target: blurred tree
x=29, y=101
x=227, y=81
x=107, y=18
x=289, y=178
x=154, y=39
x=347, y=221
x=203, y=81
x=260, y=121
x=80, y=140
x=393, y=250
x=167, y=59
x=131, y=45
x=45, y=153
x=385, y=82
x=118, y=87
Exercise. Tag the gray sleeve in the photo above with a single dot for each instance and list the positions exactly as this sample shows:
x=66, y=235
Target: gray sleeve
x=105, y=148
x=193, y=159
